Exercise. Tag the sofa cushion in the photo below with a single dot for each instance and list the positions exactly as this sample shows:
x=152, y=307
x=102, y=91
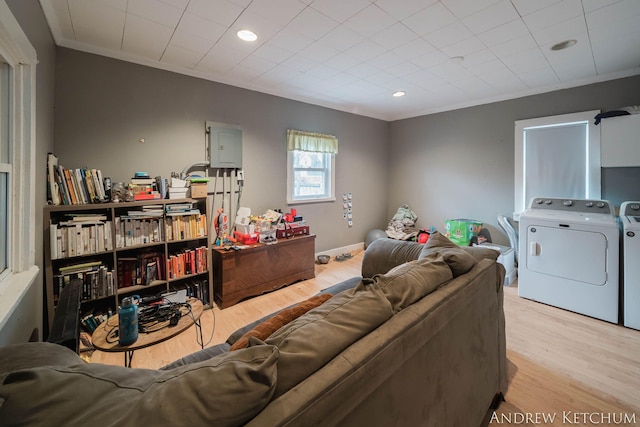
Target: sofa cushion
x=411, y=281
x=384, y=254
x=438, y=240
x=272, y=324
x=33, y=355
x=199, y=356
x=310, y=341
x=456, y=257
x=226, y=390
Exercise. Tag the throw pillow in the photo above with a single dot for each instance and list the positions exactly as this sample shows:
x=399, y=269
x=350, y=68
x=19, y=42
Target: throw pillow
x=227, y=390
x=459, y=260
x=411, y=281
x=312, y=340
x=269, y=326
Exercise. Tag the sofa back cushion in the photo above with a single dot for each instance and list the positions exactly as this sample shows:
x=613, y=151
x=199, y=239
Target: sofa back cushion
x=384, y=254
x=264, y=329
x=226, y=390
x=411, y=281
x=459, y=260
x=310, y=341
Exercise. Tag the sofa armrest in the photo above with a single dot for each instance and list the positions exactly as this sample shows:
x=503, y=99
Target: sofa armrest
x=65, y=329
x=384, y=254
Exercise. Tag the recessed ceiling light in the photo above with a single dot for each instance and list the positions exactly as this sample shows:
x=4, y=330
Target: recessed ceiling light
x=563, y=45
x=247, y=35
x=399, y=93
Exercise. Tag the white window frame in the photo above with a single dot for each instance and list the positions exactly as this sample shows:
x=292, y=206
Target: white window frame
x=291, y=199
x=593, y=153
x=21, y=271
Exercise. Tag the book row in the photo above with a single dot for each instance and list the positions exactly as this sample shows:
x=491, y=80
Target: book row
x=70, y=239
x=97, y=281
x=77, y=186
x=190, y=261
x=132, y=231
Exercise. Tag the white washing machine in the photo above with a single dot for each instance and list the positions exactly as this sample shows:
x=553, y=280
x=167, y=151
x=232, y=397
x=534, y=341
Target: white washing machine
x=630, y=218
x=569, y=256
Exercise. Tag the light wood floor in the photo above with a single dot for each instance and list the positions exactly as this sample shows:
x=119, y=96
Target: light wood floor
x=560, y=363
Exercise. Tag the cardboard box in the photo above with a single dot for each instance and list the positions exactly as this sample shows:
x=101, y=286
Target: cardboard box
x=461, y=231
x=178, y=192
x=198, y=190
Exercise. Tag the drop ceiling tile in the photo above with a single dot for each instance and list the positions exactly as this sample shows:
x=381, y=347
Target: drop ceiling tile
x=414, y=49
x=464, y=47
x=567, y=63
x=448, y=35
x=299, y=63
x=394, y=36
x=380, y=78
x=503, y=81
x=526, y=7
x=270, y=52
x=363, y=70
x=554, y=14
x=430, y=59
x=591, y=5
x=542, y=77
x=145, y=38
x=610, y=15
x=312, y=24
x=404, y=68
x=220, y=59
x=339, y=11
x=403, y=9
x=489, y=68
x=342, y=38
x=88, y=14
x=619, y=53
x=323, y=71
x=60, y=20
x=278, y=11
x=319, y=52
x=97, y=35
x=342, y=61
x=258, y=64
x=288, y=40
x=560, y=32
x=200, y=27
x=514, y=46
x=181, y=57
x=473, y=86
x=386, y=60
x=242, y=75
x=275, y=76
x=504, y=33
x=182, y=4
x=222, y=12
x=493, y=16
x=464, y=8
x=430, y=19
x=450, y=72
x=192, y=42
x=366, y=50
x=370, y=21
x=526, y=61
x=480, y=57
x=156, y=11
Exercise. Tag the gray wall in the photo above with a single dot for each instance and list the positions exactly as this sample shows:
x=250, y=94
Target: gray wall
x=460, y=164
x=31, y=18
x=105, y=106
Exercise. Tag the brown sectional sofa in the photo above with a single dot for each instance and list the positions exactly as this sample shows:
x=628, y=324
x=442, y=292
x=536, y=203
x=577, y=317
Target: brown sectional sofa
x=418, y=341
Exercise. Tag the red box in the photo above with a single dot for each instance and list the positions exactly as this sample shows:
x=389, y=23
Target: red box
x=246, y=239
x=292, y=230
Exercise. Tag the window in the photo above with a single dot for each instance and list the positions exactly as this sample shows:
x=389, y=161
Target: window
x=310, y=167
x=556, y=157
x=17, y=171
x=5, y=163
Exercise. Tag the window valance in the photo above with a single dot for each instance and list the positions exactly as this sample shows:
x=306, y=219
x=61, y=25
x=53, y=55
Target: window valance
x=311, y=141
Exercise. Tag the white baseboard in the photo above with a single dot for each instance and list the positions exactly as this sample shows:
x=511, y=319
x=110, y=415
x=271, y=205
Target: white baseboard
x=345, y=249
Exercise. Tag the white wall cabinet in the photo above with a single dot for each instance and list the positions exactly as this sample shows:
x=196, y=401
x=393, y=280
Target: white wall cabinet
x=620, y=141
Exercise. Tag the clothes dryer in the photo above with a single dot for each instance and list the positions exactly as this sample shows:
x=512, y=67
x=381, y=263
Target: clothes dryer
x=630, y=218
x=569, y=256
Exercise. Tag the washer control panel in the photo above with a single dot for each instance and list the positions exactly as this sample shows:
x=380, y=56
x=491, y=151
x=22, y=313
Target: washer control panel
x=630, y=209
x=573, y=205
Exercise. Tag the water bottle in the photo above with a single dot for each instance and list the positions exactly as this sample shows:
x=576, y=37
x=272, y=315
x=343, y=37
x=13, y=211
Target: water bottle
x=128, y=321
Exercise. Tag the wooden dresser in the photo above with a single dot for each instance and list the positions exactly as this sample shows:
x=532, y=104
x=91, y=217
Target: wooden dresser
x=261, y=268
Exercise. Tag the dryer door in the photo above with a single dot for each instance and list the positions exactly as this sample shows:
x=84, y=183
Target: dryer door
x=567, y=253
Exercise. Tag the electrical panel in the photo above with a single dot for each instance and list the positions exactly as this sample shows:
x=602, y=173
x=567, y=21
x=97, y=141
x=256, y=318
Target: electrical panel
x=224, y=145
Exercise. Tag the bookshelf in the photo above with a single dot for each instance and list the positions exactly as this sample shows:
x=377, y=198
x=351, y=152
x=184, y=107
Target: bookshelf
x=121, y=249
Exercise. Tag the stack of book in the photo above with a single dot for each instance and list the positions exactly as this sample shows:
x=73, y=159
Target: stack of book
x=82, y=234
x=144, y=187
x=97, y=279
